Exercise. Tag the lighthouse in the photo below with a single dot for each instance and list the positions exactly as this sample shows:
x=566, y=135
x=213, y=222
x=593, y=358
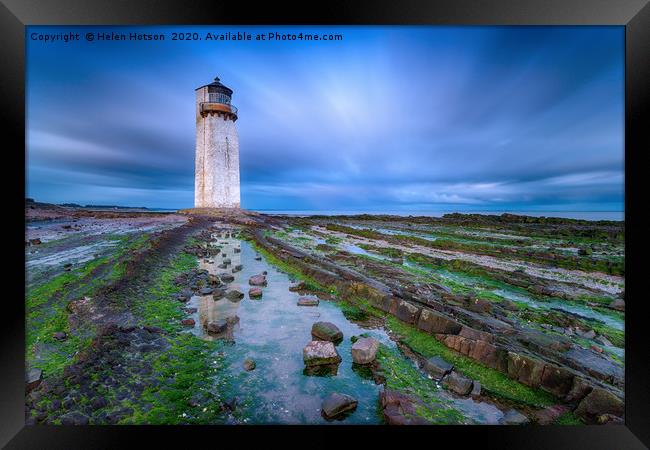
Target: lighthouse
x=216, y=175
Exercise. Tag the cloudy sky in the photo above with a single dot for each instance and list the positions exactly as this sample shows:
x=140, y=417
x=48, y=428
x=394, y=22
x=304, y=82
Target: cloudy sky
x=388, y=119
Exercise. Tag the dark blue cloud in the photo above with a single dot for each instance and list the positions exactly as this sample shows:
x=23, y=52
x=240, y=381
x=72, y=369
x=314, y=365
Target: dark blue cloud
x=391, y=118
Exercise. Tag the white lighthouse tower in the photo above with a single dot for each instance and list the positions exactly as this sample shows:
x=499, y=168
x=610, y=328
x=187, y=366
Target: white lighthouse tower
x=216, y=175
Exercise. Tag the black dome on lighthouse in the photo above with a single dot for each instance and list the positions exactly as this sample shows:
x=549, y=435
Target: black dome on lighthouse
x=217, y=86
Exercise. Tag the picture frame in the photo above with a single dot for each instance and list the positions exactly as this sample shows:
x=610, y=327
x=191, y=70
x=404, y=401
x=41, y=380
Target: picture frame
x=633, y=15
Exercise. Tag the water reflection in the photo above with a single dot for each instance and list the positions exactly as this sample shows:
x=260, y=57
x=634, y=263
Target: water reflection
x=272, y=331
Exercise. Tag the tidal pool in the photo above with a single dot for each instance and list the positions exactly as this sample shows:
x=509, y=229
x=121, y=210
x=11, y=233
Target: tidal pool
x=273, y=331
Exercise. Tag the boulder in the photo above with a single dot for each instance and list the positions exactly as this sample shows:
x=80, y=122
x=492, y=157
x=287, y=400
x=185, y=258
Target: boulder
x=479, y=305
x=618, y=304
x=60, y=336
x=609, y=418
x=579, y=390
x=549, y=415
x=234, y=295
x=437, y=367
x=476, y=389
x=74, y=418
x=407, y=312
x=184, y=295
x=218, y=326
x=237, y=268
x=389, y=304
x=249, y=364
x=318, y=353
x=189, y=322
x=599, y=402
x=206, y=291
x=337, y=405
x=602, y=340
x=299, y=286
x=218, y=294
x=399, y=409
x=307, y=301
x=326, y=331
x=513, y=417
x=587, y=334
x=457, y=383
x=556, y=380
x=255, y=292
x=214, y=280
x=364, y=350
x=509, y=305
x=227, y=277
x=257, y=280
x=33, y=378
x=98, y=403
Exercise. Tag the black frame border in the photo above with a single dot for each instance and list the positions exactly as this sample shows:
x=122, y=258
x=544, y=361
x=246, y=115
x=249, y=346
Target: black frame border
x=633, y=14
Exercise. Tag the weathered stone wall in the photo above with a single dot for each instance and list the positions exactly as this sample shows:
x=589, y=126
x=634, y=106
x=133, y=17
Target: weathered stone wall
x=216, y=179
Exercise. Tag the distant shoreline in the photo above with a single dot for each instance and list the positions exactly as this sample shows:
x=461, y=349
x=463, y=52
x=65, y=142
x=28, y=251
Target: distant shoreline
x=616, y=216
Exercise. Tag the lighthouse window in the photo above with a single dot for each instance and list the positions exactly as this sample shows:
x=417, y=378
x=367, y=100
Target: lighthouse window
x=219, y=97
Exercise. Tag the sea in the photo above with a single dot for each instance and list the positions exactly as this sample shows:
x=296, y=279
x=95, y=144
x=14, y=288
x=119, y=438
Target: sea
x=582, y=215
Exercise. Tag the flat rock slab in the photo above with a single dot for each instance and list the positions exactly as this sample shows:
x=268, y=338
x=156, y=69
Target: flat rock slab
x=318, y=353
x=326, y=331
x=338, y=405
x=437, y=367
x=364, y=350
x=457, y=383
x=594, y=364
x=306, y=301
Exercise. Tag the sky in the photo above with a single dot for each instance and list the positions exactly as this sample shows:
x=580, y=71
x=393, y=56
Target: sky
x=387, y=119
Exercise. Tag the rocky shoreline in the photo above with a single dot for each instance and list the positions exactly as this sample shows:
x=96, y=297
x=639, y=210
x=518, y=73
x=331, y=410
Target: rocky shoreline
x=472, y=319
